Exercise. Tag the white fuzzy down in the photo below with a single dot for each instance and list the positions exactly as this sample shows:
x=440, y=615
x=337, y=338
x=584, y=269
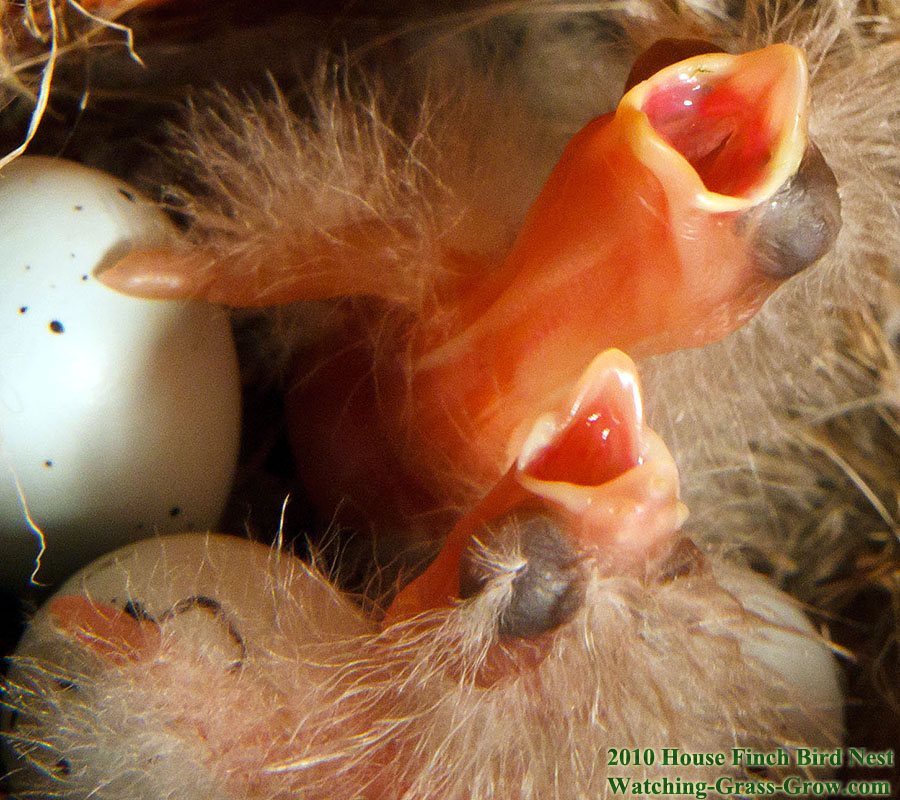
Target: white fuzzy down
x=322, y=705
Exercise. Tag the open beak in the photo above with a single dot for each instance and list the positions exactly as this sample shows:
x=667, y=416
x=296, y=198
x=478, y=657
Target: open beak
x=664, y=225
x=608, y=474
x=607, y=481
x=727, y=131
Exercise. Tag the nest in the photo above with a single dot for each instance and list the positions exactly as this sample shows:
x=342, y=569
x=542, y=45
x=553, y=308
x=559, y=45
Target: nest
x=105, y=83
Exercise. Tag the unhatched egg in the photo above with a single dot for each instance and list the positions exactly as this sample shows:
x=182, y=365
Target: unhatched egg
x=118, y=417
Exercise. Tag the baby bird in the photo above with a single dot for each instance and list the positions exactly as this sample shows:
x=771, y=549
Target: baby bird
x=664, y=225
x=462, y=392
x=202, y=667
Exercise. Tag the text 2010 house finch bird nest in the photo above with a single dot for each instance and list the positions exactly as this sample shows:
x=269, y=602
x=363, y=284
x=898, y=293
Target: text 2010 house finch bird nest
x=570, y=331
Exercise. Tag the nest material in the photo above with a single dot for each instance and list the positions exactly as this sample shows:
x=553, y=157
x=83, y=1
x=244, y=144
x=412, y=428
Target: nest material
x=35, y=36
x=807, y=488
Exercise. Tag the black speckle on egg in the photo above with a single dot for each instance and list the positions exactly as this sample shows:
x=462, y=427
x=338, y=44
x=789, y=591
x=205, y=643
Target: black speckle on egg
x=28, y=266
x=129, y=196
x=174, y=511
x=78, y=208
x=48, y=463
x=57, y=327
x=71, y=255
x=85, y=277
x=23, y=309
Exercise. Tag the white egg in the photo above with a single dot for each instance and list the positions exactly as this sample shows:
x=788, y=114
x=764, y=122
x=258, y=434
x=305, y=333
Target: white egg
x=118, y=417
x=790, y=646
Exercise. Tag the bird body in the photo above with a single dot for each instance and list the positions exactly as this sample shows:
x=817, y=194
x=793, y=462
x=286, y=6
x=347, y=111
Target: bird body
x=459, y=275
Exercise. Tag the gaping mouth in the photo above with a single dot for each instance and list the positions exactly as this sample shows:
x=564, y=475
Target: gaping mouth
x=737, y=122
x=593, y=466
x=600, y=436
x=611, y=477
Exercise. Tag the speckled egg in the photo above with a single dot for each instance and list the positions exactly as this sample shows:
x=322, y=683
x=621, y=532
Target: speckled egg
x=118, y=417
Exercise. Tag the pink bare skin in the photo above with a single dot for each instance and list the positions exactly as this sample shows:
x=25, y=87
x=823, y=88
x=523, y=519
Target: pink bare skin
x=650, y=235
x=212, y=667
